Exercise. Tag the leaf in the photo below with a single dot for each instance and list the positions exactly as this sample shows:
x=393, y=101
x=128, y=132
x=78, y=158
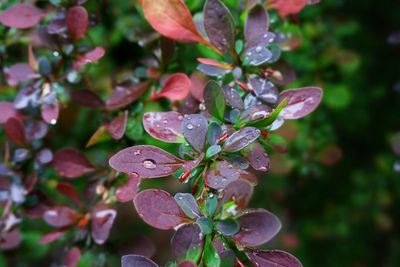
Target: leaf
x=136, y=261
x=18, y=73
x=172, y=19
x=72, y=257
x=206, y=225
x=7, y=111
x=21, y=16
x=257, y=226
x=77, y=22
x=212, y=62
x=267, y=258
x=117, y=127
x=265, y=90
x=188, y=204
x=301, y=102
x=210, y=255
x=227, y=227
x=256, y=27
x=257, y=157
x=69, y=191
x=214, y=132
x=60, y=216
x=255, y=114
x=211, y=205
x=146, y=161
x=176, y=87
x=164, y=126
x=219, y=26
x=194, y=130
x=396, y=143
x=71, y=163
x=124, y=94
x=92, y=56
x=233, y=98
x=212, y=151
x=87, y=98
x=239, y=191
x=287, y=7
x=240, y=139
x=99, y=136
x=258, y=55
x=15, y=130
x=272, y=117
x=102, y=220
x=187, y=264
x=220, y=175
x=199, y=82
x=159, y=209
x=211, y=70
x=50, y=112
x=214, y=100
x=128, y=191
x=187, y=237
x=51, y=237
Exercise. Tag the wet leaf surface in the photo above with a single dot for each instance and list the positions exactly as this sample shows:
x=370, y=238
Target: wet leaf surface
x=164, y=126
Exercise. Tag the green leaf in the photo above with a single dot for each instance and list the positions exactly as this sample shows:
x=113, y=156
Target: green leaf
x=206, y=225
x=212, y=151
x=210, y=255
x=272, y=117
x=211, y=205
x=214, y=100
x=227, y=227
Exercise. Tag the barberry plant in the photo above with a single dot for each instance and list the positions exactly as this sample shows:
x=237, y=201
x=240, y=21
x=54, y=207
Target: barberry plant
x=220, y=118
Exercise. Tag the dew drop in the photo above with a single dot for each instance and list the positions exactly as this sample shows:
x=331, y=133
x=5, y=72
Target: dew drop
x=165, y=121
x=180, y=117
x=53, y=121
x=249, y=53
x=202, y=106
x=149, y=164
x=137, y=152
x=258, y=49
x=189, y=126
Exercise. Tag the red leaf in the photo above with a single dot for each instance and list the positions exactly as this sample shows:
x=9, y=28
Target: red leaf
x=287, y=7
x=68, y=190
x=15, y=130
x=21, y=16
x=257, y=226
x=220, y=175
x=164, y=126
x=117, y=127
x=90, y=57
x=159, y=209
x=195, y=131
x=177, y=87
x=72, y=258
x=60, y=216
x=172, y=19
x=301, y=102
x=240, y=191
x=199, y=82
x=124, y=94
x=18, y=73
x=50, y=112
x=77, y=22
x=146, y=161
x=10, y=240
x=215, y=63
x=51, y=237
x=267, y=258
x=128, y=191
x=71, y=163
x=187, y=237
x=102, y=220
x=7, y=111
x=87, y=98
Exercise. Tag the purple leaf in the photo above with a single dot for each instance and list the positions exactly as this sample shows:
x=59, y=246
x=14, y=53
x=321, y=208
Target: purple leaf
x=21, y=16
x=187, y=264
x=233, y=98
x=18, y=73
x=211, y=70
x=10, y=240
x=255, y=113
x=188, y=204
x=164, y=126
x=199, y=81
x=102, y=220
x=257, y=226
x=264, y=90
x=77, y=22
x=301, y=102
x=220, y=175
x=128, y=191
x=7, y=111
x=15, y=130
x=90, y=57
x=71, y=163
x=146, y=161
x=124, y=94
x=87, y=98
x=219, y=25
x=239, y=191
x=44, y=156
x=60, y=216
x=51, y=237
x=187, y=237
x=50, y=112
x=273, y=258
x=159, y=209
x=257, y=157
x=194, y=130
x=137, y=261
x=256, y=27
x=258, y=55
x=72, y=257
x=117, y=127
x=240, y=139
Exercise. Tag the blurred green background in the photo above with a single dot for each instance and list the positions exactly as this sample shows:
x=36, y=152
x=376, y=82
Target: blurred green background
x=335, y=190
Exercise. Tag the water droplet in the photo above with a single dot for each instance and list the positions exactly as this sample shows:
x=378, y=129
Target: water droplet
x=180, y=198
x=258, y=49
x=189, y=126
x=180, y=117
x=165, y=121
x=53, y=121
x=56, y=54
x=149, y=164
x=202, y=106
x=249, y=54
x=137, y=152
